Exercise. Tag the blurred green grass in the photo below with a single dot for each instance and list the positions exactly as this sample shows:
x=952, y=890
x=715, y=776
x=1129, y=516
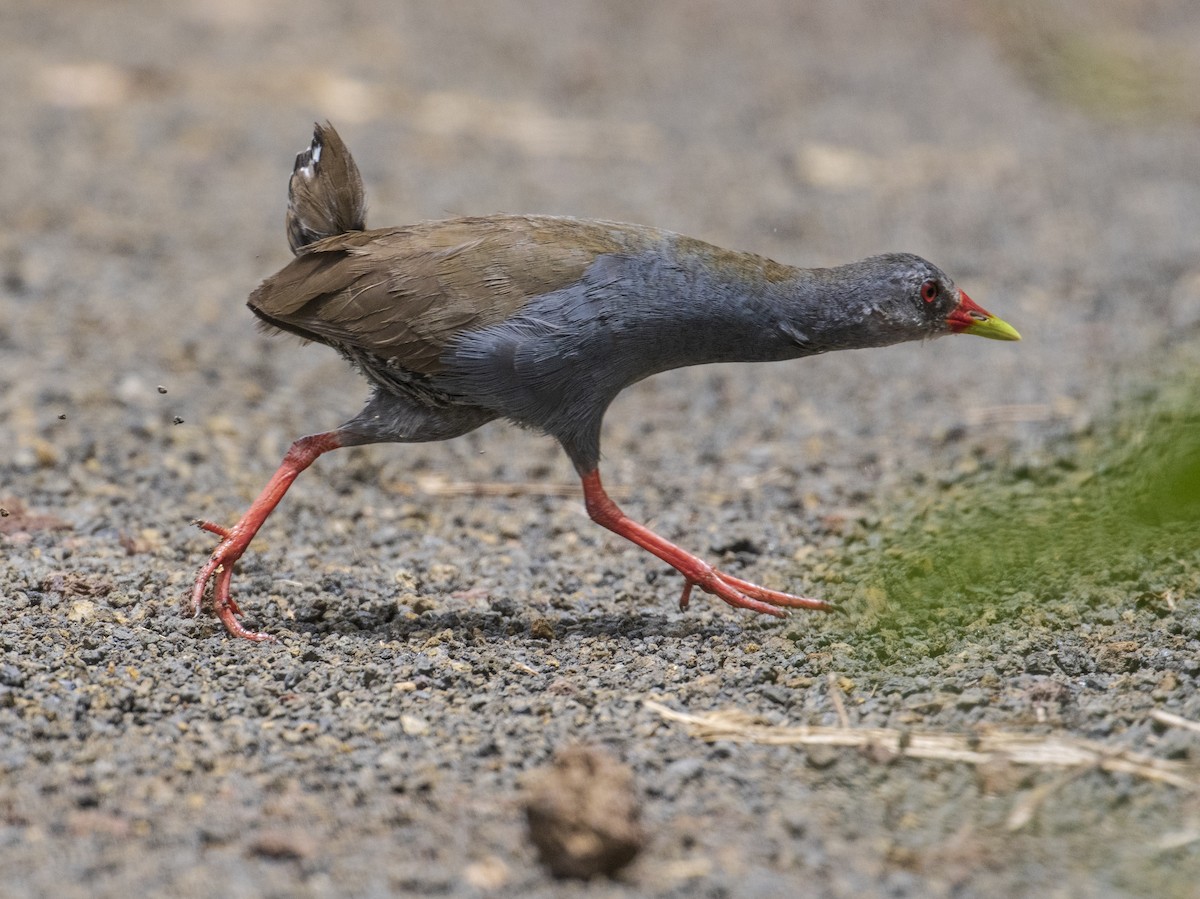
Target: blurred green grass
x=1120, y=509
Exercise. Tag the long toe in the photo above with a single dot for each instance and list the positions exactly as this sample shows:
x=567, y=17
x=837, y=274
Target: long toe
x=718, y=586
x=237, y=629
x=201, y=584
x=227, y=608
x=740, y=600
x=773, y=597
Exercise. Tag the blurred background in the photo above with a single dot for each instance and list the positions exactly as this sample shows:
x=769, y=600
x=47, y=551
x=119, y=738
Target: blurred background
x=1042, y=153
x=1045, y=153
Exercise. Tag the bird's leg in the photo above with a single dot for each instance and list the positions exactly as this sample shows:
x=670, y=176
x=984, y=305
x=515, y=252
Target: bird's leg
x=234, y=540
x=696, y=572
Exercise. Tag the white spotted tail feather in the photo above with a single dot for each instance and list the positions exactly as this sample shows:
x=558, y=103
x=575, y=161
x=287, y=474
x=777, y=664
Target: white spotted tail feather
x=325, y=193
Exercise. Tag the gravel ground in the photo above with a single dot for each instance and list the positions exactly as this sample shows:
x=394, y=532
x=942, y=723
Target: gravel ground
x=447, y=616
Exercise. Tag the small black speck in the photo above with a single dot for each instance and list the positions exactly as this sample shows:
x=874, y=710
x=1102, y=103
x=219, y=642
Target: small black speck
x=161, y=389
x=177, y=420
x=62, y=416
x=3, y=513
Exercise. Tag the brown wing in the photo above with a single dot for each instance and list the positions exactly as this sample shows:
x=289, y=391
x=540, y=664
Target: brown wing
x=402, y=293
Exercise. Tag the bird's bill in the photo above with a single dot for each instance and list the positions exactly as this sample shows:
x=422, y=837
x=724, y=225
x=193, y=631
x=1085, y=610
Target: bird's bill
x=969, y=317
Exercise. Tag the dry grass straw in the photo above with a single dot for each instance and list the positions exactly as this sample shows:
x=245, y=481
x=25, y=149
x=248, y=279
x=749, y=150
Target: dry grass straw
x=1047, y=751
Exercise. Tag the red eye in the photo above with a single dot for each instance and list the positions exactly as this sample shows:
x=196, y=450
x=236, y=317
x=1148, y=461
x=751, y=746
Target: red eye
x=929, y=291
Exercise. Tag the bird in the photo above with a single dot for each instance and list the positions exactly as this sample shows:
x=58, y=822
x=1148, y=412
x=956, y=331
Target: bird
x=543, y=320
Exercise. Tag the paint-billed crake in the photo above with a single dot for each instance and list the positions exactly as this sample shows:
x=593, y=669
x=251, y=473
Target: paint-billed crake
x=543, y=320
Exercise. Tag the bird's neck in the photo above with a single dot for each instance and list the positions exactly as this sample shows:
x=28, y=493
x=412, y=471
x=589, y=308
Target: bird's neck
x=745, y=308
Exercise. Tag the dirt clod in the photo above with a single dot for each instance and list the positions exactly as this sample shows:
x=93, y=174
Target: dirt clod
x=583, y=813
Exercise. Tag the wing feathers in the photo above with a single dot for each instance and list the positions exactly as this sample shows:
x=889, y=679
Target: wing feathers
x=403, y=293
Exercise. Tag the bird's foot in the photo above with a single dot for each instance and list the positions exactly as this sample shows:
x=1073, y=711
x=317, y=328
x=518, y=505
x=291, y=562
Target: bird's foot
x=696, y=572
x=219, y=569
x=745, y=595
x=235, y=540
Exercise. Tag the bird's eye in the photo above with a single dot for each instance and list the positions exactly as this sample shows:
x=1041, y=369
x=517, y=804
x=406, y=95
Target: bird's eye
x=929, y=291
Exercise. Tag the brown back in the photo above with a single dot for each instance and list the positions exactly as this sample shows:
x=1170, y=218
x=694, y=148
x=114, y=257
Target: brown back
x=402, y=293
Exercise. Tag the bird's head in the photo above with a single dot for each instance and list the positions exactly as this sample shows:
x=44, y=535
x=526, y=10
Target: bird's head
x=913, y=299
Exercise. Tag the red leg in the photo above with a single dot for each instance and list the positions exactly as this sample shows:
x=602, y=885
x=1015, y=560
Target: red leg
x=696, y=572
x=219, y=568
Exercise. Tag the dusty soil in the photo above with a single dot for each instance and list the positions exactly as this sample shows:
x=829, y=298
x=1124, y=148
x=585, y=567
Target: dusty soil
x=447, y=616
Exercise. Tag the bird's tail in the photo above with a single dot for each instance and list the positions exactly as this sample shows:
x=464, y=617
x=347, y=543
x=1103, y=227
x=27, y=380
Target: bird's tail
x=325, y=193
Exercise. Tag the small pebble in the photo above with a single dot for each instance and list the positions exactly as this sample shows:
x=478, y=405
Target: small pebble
x=283, y=845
